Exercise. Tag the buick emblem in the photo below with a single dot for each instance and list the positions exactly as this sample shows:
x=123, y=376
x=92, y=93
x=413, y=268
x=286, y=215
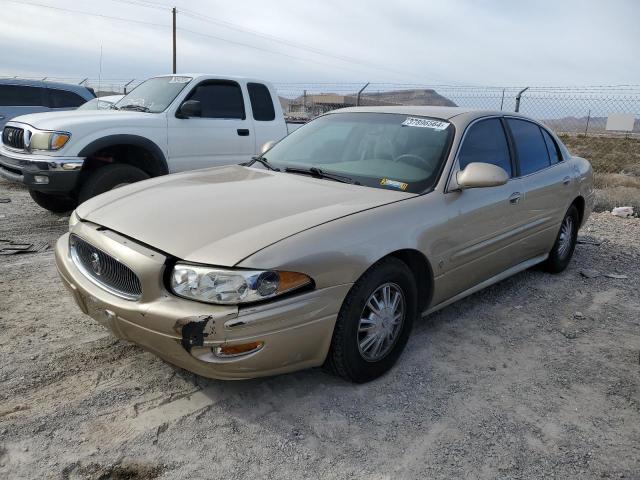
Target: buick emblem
x=96, y=266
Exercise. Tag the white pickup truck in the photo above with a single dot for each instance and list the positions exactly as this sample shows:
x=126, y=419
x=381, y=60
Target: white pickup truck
x=167, y=124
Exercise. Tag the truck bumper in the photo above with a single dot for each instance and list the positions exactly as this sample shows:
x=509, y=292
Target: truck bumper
x=40, y=172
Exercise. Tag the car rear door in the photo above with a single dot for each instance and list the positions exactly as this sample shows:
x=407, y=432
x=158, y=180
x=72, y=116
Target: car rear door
x=16, y=100
x=222, y=135
x=546, y=183
x=480, y=238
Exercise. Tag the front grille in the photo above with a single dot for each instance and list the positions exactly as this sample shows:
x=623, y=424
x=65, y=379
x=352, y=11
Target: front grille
x=13, y=137
x=104, y=270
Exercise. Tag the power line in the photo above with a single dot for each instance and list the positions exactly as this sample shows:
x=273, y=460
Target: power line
x=90, y=14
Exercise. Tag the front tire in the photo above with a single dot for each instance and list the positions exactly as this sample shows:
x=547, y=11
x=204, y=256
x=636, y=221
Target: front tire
x=57, y=203
x=109, y=177
x=374, y=322
x=562, y=250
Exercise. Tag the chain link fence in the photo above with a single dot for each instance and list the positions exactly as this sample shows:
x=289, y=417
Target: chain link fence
x=567, y=110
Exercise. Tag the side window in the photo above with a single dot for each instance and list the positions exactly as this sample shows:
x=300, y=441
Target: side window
x=531, y=149
x=552, y=147
x=64, y=99
x=486, y=142
x=261, y=102
x=20, y=96
x=219, y=99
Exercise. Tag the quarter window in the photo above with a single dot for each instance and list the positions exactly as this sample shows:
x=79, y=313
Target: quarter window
x=486, y=142
x=261, y=102
x=530, y=146
x=219, y=99
x=20, y=96
x=552, y=147
x=64, y=99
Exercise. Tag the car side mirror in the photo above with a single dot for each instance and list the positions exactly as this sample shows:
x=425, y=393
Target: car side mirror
x=190, y=108
x=479, y=175
x=266, y=146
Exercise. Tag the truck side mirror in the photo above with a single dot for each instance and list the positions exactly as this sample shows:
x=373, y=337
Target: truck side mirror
x=190, y=108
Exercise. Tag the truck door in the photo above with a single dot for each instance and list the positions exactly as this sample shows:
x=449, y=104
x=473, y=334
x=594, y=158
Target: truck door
x=221, y=134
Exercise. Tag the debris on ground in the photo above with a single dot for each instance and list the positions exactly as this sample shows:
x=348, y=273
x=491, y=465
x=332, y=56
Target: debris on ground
x=616, y=276
x=8, y=247
x=586, y=240
x=5, y=200
x=623, y=212
x=590, y=273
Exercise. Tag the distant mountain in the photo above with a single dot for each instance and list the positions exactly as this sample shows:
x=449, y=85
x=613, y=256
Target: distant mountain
x=418, y=96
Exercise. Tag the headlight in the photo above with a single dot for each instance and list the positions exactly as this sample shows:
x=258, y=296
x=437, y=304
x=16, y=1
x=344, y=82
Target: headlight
x=230, y=287
x=48, y=140
x=73, y=219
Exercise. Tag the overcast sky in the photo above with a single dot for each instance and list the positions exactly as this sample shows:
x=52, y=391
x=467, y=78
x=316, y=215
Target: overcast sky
x=470, y=42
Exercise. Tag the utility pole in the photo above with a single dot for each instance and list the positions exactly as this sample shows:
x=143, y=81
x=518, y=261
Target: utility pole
x=174, y=39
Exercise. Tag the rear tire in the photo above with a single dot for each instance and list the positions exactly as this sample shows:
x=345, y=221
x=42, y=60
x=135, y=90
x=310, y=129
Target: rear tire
x=562, y=250
x=352, y=355
x=109, y=177
x=54, y=202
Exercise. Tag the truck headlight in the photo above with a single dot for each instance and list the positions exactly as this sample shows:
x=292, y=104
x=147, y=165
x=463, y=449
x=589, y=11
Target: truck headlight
x=232, y=287
x=48, y=140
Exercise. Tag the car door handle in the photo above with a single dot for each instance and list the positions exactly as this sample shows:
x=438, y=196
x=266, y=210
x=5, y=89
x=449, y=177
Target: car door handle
x=515, y=197
x=566, y=180
x=243, y=132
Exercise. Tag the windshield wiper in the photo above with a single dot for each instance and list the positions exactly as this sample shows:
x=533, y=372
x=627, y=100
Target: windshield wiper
x=263, y=161
x=318, y=173
x=113, y=107
x=137, y=108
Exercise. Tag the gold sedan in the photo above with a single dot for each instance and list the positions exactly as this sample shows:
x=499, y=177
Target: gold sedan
x=326, y=248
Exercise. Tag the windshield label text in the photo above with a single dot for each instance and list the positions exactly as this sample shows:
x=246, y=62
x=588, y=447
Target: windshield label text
x=425, y=123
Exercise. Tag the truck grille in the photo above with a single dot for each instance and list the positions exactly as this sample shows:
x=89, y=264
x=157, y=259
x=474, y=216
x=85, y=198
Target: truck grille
x=104, y=270
x=13, y=137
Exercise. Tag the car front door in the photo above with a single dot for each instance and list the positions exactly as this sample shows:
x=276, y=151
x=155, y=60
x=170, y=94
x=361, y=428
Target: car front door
x=221, y=134
x=16, y=100
x=480, y=238
x=546, y=184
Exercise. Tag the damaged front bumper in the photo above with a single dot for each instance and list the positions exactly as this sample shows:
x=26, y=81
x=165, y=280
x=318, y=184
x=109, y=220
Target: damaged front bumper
x=292, y=333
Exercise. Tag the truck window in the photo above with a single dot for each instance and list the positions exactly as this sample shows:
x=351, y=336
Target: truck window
x=219, y=99
x=261, y=102
x=64, y=99
x=20, y=96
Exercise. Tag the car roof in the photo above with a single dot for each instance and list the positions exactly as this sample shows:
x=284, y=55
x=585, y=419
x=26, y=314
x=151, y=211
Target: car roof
x=72, y=87
x=444, y=113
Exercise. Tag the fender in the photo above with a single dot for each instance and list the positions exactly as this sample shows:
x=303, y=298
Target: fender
x=135, y=140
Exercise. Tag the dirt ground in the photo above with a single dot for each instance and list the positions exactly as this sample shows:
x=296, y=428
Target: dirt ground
x=536, y=377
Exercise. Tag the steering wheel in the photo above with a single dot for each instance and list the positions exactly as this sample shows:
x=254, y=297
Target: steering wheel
x=410, y=158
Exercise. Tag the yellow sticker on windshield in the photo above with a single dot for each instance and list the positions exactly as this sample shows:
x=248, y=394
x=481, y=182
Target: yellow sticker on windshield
x=394, y=184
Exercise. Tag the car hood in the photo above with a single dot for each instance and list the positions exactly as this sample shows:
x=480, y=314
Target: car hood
x=67, y=120
x=221, y=215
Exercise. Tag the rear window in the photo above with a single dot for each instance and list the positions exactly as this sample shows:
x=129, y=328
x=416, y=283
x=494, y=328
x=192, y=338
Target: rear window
x=552, y=147
x=261, y=102
x=64, y=99
x=531, y=148
x=20, y=96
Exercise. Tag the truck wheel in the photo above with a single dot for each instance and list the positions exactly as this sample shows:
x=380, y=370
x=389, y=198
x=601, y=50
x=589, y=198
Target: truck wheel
x=109, y=177
x=57, y=203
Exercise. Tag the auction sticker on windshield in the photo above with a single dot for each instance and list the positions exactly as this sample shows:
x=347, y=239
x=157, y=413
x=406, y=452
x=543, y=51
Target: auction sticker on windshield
x=425, y=123
x=393, y=183
x=180, y=79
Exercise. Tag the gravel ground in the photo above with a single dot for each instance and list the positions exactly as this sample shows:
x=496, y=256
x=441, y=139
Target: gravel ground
x=535, y=377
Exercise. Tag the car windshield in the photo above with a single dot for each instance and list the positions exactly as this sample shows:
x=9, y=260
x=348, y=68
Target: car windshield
x=383, y=150
x=154, y=95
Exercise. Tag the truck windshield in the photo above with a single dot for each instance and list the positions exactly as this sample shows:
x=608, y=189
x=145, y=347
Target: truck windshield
x=153, y=95
x=382, y=150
